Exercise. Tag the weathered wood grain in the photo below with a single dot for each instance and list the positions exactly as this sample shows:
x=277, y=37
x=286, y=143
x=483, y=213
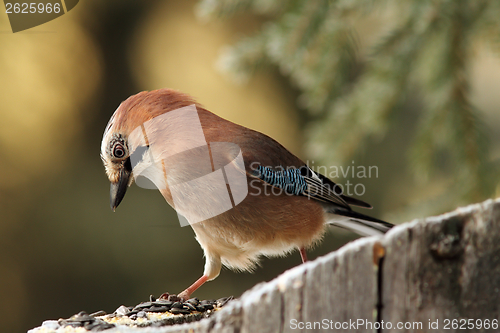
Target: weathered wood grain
x=444, y=268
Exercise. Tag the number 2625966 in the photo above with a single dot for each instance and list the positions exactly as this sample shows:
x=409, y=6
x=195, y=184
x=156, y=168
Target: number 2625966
x=32, y=8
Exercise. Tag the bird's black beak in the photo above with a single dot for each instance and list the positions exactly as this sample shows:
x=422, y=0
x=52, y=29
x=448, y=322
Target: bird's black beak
x=118, y=189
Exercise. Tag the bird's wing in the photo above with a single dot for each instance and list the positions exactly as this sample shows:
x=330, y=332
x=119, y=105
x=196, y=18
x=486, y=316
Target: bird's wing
x=303, y=181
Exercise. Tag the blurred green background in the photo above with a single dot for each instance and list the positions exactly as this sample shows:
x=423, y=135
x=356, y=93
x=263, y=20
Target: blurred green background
x=343, y=84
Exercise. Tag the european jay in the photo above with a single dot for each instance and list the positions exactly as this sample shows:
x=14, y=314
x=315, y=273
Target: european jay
x=276, y=202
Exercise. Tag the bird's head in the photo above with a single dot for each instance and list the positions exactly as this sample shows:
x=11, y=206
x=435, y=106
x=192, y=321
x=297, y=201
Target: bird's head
x=116, y=158
x=120, y=139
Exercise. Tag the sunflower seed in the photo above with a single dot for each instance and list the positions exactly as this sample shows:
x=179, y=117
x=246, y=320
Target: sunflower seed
x=179, y=311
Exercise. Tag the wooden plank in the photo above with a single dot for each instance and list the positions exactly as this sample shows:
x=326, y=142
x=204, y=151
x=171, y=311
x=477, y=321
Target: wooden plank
x=422, y=273
x=443, y=269
x=341, y=288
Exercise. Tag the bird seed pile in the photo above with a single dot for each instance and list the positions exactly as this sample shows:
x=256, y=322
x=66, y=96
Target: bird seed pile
x=166, y=310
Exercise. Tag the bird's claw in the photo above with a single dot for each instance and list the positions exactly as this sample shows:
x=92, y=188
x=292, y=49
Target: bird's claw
x=171, y=297
x=183, y=296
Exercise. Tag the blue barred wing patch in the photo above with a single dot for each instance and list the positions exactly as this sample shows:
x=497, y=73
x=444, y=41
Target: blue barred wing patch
x=302, y=181
x=289, y=180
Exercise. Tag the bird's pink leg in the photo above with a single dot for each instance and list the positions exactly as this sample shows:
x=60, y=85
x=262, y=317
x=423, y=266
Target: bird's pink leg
x=303, y=254
x=186, y=294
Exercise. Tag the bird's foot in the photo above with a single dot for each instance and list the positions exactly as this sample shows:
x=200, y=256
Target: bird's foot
x=170, y=297
x=184, y=296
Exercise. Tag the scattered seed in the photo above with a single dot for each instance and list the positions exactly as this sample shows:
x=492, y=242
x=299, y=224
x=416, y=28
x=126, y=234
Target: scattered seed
x=179, y=311
x=157, y=309
x=82, y=319
x=98, y=325
x=51, y=324
x=223, y=301
x=163, y=302
x=98, y=313
x=122, y=311
x=133, y=312
x=177, y=305
x=194, y=301
x=143, y=305
x=208, y=306
x=189, y=306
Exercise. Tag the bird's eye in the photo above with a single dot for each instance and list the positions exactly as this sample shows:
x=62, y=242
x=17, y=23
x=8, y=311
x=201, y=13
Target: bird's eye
x=118, y=151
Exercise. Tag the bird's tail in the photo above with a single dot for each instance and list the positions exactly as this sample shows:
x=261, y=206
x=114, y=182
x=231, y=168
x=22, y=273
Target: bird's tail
x=359, y=223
